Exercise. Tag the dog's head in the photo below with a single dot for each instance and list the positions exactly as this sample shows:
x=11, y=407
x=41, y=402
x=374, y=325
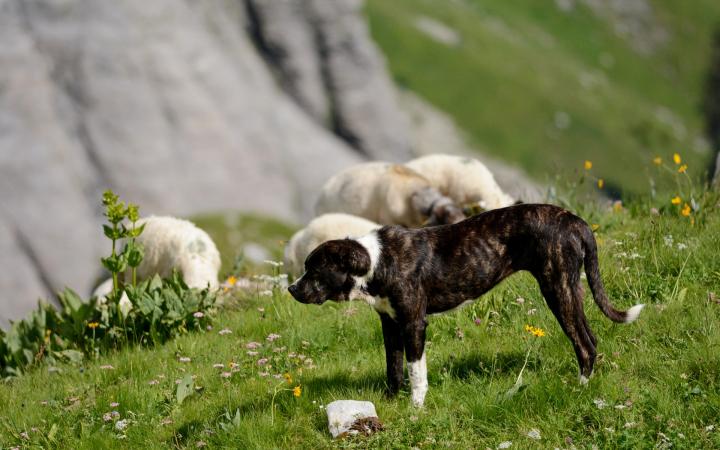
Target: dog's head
x=330, y=272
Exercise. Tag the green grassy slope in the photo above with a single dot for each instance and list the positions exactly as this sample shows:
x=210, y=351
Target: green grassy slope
x=520, y=63
x=655, y=380
x=232, y=231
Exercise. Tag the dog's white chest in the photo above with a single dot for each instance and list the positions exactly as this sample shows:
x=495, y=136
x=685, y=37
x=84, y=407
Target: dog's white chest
x=381, y=305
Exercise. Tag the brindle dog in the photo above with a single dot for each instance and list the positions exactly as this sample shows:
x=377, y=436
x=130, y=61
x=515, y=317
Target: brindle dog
x=407, y=274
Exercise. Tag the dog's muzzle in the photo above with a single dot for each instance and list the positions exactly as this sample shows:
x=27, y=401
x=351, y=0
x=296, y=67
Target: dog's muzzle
x=293, y=290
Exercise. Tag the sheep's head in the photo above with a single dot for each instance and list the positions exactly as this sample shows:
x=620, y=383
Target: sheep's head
x=435, y=207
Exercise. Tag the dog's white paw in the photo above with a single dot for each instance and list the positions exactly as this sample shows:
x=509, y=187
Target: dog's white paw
x=584, y=380
x=418, y=381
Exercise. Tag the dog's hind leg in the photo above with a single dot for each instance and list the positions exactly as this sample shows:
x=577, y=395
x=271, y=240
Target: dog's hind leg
x=568, y=312
x=579, y=299
x=584, y=332
x=392, y=337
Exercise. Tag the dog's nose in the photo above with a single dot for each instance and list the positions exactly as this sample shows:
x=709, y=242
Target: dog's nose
x=292, y=289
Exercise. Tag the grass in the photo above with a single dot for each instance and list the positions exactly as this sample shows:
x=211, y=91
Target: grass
x=522, y=63
x=656, y=381
x=234, y=230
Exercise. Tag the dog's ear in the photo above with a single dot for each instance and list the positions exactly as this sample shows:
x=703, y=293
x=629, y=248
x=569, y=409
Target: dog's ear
x=355, y=258
x=347, y=255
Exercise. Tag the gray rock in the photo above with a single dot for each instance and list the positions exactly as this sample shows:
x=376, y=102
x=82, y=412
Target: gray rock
x=168, y=103
x=324, y=57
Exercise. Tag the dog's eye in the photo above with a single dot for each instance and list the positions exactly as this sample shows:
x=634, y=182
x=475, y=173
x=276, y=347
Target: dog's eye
x=335, y=279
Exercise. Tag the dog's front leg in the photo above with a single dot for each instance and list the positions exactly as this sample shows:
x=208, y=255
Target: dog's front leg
x=392, y=336
x=414, y=338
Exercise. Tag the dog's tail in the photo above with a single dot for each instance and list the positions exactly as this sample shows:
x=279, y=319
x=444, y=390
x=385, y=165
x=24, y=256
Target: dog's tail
x=592, y=270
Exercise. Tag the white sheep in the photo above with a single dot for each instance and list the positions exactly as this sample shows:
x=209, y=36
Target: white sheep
x=465, y=180
x=321, y=229
x=172, y=243
x=386, y=193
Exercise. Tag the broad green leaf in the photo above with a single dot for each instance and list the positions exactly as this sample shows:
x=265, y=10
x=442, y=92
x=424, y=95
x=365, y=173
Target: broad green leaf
x=73, y=356
x=184, y=389
x=682, y=294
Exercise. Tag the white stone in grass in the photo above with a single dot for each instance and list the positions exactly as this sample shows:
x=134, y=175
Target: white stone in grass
x=343, y=413
x=506, y=444
x=534, y=434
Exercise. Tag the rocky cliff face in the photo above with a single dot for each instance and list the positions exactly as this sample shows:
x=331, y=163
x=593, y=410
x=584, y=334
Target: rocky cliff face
x=180, y=106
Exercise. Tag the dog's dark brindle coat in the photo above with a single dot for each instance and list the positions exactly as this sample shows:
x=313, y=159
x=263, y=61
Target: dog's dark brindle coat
x=431, y=270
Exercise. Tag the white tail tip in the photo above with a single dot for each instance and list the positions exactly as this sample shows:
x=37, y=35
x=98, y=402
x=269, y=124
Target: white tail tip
x=633, y=313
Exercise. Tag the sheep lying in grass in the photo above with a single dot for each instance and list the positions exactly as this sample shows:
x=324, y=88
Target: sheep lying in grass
x=389, y=194
x=465, y=180
x=172, y=243
x=321, y=229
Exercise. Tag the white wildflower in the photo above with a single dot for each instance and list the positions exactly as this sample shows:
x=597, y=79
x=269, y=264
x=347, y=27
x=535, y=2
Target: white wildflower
x=505, y=444
x=534, y=434
x=224, y=331
x=120, y=425
x=273, y=263
x=600, y=403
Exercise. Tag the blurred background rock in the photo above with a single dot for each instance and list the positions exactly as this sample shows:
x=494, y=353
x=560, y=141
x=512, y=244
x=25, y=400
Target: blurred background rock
x=194, y=107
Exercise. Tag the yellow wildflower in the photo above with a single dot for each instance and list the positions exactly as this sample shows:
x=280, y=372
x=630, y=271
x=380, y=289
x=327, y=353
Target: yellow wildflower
x=93, y=325
x=595, y=227
x=288, y=378
x=47, y=336
x=588, y=165
x=677, y=159
x=535, y=331
x=676, y=200
x=231, y=280
x=297, y=391
x=617, y=205
x=682, y=169
x=657, y=160
x=686, y=210
x=601, y=183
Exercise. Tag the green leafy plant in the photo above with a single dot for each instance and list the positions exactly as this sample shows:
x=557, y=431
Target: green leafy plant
x=146, y=312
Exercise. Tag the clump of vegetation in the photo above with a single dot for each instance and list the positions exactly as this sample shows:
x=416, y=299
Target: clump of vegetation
x=148, y=312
